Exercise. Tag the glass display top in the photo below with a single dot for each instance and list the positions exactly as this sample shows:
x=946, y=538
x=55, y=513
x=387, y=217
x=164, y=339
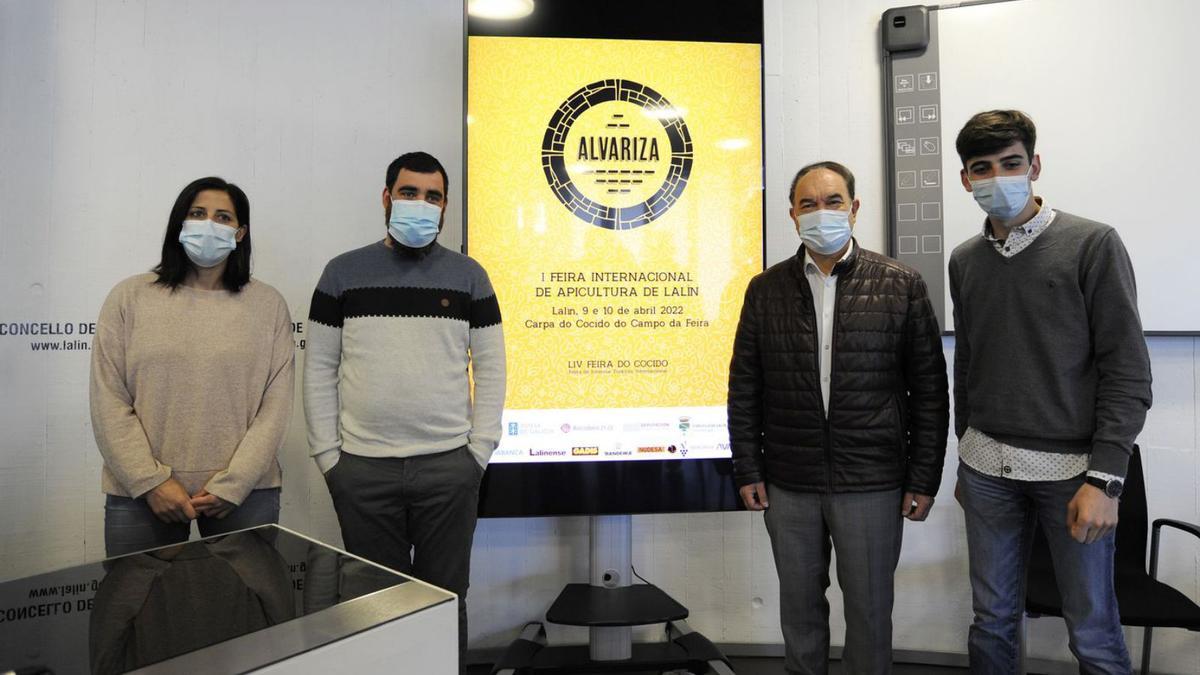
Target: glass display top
x=132, y=611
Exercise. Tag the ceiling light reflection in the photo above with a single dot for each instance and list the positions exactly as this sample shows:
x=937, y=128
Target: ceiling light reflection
x=500, y=9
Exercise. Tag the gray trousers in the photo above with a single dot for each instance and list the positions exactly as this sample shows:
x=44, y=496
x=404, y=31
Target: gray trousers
x=865, y=528
x=415, y=515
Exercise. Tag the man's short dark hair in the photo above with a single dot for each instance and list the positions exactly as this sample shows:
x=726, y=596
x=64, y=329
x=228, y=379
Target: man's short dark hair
x=174, y=266
x=990, y=132
x=420, y=162
x=832, y=166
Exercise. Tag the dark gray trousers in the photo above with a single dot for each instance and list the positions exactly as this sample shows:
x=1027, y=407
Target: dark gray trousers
x=415, y=515
x=865, y=528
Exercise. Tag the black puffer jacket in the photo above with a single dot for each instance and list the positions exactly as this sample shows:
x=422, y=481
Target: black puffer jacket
x=889, y=405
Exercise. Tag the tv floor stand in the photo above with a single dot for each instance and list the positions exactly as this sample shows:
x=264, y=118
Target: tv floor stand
x=610, y=606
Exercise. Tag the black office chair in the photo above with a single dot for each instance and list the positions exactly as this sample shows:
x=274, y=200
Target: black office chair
x=1142, y=599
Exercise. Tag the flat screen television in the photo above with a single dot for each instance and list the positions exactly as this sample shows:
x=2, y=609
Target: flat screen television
x=614, y=194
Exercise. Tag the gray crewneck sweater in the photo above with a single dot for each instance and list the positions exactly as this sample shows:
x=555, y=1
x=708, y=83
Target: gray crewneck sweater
x=1049, y=352
x=393, y=343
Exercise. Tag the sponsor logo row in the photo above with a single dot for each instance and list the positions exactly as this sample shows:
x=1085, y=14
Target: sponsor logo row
x=538, y=429
x=677, y=450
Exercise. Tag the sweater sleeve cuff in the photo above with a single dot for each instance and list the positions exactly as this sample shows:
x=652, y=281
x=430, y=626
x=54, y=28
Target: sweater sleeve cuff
x=482, y=451
x=227, y=488
x=327, y=459
x=141, y=487
x=1110, y=459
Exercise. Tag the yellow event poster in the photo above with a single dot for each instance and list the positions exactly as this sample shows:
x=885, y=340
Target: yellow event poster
x=615, y=199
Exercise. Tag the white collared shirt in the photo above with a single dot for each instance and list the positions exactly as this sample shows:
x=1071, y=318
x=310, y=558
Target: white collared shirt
x=1020, y=237
x=824, y=293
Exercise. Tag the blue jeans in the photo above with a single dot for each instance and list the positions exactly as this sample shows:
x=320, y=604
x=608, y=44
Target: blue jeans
x=1001, y=515
x=130, y=525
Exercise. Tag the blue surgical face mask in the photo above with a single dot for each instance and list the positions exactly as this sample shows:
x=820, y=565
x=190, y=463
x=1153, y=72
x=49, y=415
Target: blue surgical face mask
x=413, y=222
x=207, y=243
x=1002, y=197
x=825, y=231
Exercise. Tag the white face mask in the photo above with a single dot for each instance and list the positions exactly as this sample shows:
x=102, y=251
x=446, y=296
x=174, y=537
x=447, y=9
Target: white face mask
x=207, y=243
x=825, y=231
x=1002, y=197
x=414, y=223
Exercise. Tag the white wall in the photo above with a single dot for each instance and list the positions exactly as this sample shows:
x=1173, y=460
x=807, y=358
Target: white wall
x=107, y=108
x=1148, y=56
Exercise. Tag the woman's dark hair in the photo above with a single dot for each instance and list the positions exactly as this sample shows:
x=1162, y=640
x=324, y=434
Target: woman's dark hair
x=175, y=265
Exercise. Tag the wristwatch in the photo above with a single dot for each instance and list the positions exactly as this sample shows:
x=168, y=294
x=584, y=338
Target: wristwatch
x=1111, y=488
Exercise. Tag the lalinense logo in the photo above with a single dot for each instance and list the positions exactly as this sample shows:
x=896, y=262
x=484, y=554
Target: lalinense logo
x=617, y=154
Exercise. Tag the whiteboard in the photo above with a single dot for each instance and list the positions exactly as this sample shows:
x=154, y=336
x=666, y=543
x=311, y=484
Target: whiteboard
x=1112, y=87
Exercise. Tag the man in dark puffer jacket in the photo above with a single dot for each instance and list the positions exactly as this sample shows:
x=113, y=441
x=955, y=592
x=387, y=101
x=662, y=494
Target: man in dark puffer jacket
x=837, y=399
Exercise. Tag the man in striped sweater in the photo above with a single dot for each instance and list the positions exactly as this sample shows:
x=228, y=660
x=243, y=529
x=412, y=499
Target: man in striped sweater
x=392, y=422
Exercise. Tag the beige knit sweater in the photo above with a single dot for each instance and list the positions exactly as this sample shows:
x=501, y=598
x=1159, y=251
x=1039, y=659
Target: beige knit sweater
x=192, y=384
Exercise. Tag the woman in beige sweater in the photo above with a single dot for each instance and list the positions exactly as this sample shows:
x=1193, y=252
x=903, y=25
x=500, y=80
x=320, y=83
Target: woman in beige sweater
x=191, y=382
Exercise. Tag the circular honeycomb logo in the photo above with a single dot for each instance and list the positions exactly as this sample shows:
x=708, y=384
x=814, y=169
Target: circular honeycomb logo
x=617, y=154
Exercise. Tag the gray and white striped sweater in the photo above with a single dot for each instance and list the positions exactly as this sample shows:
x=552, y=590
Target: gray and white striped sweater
x=390, y=339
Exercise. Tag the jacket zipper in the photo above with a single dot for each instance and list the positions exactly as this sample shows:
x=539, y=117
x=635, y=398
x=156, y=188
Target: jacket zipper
x=827, y=434
x=837, y=300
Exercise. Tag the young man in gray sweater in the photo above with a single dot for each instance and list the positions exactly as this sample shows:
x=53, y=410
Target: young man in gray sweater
x=1051, y=388
x=395, y=327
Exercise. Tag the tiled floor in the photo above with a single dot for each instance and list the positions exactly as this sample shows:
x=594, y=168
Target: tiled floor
x=774, y=666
